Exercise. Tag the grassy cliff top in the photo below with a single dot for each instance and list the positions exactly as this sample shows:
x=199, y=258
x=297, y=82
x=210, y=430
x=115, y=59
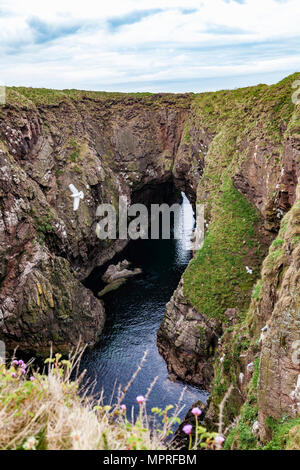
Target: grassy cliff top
x=28, y=97
x=223, y=100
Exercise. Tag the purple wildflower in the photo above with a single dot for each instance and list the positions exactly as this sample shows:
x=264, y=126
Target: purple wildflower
x=15, y=363
x=187, y=429
x=196, y=411
x=140, y=399
x=32, y=379
x=123, y=407
x=13, y=374
x=23, y=371
x=219, y=439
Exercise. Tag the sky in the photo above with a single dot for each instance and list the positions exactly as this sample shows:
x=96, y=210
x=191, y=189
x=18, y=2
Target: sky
x=148, y=45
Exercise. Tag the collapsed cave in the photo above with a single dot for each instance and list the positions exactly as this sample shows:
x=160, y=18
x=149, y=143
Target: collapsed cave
x=245, y=171
x=134, y=311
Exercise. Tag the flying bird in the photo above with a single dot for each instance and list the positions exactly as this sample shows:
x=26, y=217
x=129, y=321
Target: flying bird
x=77, y=195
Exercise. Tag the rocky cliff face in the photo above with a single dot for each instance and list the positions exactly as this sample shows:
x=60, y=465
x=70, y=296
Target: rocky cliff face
x=249, y=144
x=107, y=145
x=262, y=366
x=187, y=340
x=250, y=147
x=260, y=356
x=278, y=385
x=238, y=153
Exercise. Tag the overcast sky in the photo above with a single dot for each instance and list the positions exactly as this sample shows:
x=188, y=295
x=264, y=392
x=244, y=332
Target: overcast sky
x=148, y=45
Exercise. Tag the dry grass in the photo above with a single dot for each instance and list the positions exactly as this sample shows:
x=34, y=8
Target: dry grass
x=45, y=411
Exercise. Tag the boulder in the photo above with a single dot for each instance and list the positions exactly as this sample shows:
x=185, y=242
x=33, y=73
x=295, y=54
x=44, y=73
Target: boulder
x=119, y=271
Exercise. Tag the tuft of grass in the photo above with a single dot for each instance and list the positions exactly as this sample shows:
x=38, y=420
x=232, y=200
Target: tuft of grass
x=278, y=242
x=46, y=411
x=49, y=411
x=257, y=289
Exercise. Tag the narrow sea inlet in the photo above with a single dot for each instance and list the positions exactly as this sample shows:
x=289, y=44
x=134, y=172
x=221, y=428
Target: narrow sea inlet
x=134, y=313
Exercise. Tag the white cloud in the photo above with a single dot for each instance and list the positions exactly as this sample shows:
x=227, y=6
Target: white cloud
x=128, y=43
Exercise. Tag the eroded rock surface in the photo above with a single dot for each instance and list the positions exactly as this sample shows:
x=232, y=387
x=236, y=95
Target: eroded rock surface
x=280, y=353
x=106, y=145
x=187, y=340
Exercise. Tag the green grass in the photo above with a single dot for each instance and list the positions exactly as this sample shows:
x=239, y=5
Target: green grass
x=217, y=279
x=277, y=242
x=257, y=289
x=39, y=97
x=296, y=239
x=75, y=155
x=241, y=435
x=281, y=436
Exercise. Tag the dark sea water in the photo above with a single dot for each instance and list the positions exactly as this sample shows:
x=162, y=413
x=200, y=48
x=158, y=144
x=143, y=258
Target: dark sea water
x=134, y=313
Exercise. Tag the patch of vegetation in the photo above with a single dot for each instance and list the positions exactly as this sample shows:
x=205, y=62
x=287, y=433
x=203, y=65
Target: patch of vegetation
x=241, y=436
x=16, y=99
x=217, y=278
x=274, y=256
x=186, y=132
x=296, y=239
x=32, y=98
x=149, y=99
x=75, y=155
x=41, y=96
x=46, y=412
x=284, y=225
x=277, y=243
x=243, y=432
x=257, y=289
x=285, y=433
x=43, y=226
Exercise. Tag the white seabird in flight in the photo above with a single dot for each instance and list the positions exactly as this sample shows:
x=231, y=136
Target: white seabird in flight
x=77, y=195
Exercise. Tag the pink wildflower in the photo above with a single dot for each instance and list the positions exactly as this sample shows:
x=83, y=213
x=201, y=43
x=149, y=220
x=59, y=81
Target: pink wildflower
x=196, y=411
x=187, y=429
x=219, y=440
x=140, y=399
